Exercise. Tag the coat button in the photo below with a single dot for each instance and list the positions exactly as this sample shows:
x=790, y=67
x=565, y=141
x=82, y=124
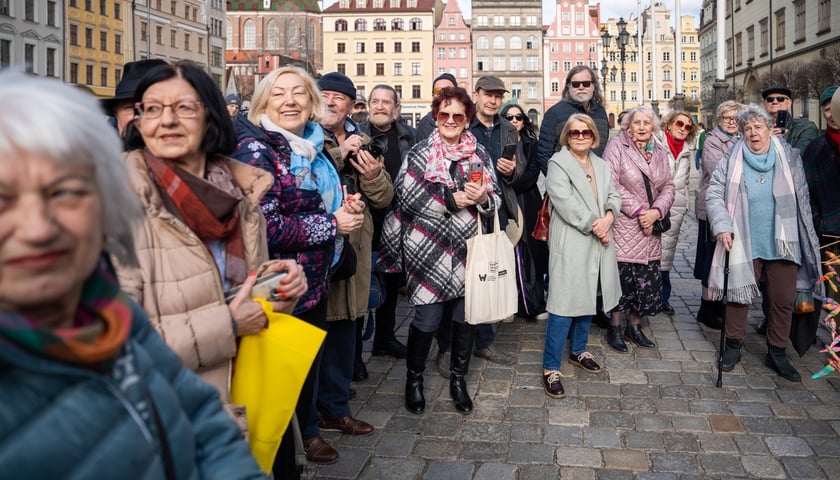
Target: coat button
x=447, y=215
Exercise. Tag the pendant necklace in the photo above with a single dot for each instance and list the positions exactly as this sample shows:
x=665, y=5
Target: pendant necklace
x=761, y=179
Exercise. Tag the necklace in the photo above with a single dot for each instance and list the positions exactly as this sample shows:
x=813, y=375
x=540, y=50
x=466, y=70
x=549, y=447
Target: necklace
x=761, y=179
x=589, y=178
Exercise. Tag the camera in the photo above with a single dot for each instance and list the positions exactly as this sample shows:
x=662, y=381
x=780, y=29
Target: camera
x=377, y=146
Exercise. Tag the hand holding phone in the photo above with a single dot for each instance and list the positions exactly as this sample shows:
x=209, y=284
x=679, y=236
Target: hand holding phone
x=782, y=117
x=476, y=171
x=264, y=288
x=509, y=151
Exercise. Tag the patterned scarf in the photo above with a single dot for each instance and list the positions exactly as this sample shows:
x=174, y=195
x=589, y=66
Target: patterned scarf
x=742, y=287
x=100, y=327
x=442, y=156
x=210, y=208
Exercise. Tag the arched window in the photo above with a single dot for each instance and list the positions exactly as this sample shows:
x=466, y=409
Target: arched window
x=361, y=25
x=272, y=35
x=292, y=36
x=515, y=42
x=341, y=25
x=415, y=24
x=498, y=42
x=229, y=29
x=482, y=43
x=531, y=42
x=379, y=25
x=250, y=35
x=397, y=24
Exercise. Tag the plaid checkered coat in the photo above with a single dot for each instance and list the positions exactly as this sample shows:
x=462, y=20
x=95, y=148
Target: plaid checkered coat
x=421, y=237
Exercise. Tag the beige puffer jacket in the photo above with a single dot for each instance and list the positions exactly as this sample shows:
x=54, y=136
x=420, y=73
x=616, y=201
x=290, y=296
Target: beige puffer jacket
x=680, y=172
x=178, y=283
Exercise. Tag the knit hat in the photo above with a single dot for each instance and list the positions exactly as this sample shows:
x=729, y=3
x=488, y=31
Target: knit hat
x=337, y=82
x=827, y=94
x=448, y=77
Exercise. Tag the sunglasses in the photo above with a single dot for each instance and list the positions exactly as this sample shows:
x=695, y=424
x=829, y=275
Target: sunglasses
x=456, y=117
x=684, y=126
x=519, y=117
x=584, y=134
x=779, y=99
x=584, y=84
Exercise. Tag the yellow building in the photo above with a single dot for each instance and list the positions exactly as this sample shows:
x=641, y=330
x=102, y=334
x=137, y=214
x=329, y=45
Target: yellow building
x=385, y=41
x=96, y=43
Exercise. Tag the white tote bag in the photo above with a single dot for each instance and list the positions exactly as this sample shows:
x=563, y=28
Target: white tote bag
x=490, y=278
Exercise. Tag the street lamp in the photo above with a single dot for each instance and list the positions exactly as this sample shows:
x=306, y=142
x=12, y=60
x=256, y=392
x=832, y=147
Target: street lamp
x=622, y=41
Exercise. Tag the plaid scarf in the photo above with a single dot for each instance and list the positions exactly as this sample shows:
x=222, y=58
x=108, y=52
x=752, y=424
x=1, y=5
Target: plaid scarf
x=100, y=327
x=209, y=208
x=742, y=287
x=442, y=156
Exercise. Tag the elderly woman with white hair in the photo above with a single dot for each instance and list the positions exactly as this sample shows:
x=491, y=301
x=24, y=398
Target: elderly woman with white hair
x=88, y=390
x=759, y=210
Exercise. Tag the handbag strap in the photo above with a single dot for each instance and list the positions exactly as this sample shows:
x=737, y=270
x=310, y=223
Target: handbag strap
x=647, y=189
x=165, y=450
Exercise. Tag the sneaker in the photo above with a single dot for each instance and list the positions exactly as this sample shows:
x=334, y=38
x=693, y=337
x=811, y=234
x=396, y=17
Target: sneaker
x=493, y=355
x=585, y=361
x=541, y=316
x=551, y=384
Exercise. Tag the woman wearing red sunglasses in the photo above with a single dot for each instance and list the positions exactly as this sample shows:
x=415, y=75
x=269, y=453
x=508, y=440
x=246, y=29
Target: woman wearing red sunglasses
x=446, y=183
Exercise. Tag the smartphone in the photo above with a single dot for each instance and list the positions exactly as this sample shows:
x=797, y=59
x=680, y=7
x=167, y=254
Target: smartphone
x=782, y=119
x=509, y=151
x=264, y=288
x=476, y=171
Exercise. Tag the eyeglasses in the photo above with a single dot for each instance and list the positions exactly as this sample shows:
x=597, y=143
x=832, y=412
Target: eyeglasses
x=584, y=134
x=519, y=117
x=456, y=117
x=181, y=108
x=779, y=99
x=684, y=126
x=728, y=119
x=584, y=84
x=438, y=90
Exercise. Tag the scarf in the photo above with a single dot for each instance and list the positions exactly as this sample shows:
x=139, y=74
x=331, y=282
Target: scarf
x=442, y=155
x=100, y=328
x=742, y=287
x=834, y=135
x=210, y=208
x=675, y=145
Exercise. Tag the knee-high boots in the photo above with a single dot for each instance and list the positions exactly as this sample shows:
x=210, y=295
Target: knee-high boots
x=419, y=344
x=463, y=336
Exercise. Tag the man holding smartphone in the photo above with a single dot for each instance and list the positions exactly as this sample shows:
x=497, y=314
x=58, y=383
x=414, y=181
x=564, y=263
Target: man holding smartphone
x=798, y=132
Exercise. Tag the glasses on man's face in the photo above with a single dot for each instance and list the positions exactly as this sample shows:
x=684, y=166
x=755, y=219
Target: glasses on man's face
x=779, y=99
x=684, y=126
x=518, y=117
x=181, y=109
x=728, y=119
x=584, y=134
x=456, y=117
x=584, y=84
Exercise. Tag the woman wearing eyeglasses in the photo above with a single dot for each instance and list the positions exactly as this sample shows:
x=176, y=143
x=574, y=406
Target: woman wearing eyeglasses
x=718, y=142
x=638, y=163
x=532, y=254
x=445, y=185
x=203, y=232
x=677, y=135
x=582, y=261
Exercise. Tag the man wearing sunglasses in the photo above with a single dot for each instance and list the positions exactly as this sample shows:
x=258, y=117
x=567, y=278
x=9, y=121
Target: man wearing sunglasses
x=581, y=94
x=427, y=124
x=798, y=132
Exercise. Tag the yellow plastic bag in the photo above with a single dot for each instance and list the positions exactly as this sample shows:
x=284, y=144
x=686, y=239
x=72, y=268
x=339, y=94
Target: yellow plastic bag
x=269, y=374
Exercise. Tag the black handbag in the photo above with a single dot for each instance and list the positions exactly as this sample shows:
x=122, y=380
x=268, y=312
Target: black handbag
x=346, y=265
x=663, y=224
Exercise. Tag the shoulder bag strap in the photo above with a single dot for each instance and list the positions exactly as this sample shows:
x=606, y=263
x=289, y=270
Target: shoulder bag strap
x=165, y=450
x=647, y=189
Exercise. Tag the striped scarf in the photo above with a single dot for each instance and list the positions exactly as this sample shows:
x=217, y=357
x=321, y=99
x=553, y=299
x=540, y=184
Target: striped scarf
x=742, y=287
x=99, y=330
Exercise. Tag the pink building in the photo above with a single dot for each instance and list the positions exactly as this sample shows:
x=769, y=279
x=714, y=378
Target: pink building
x=573, y=38
x=453, y=46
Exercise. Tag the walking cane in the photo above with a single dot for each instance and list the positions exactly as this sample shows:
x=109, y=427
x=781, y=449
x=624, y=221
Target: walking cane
x=723, y=322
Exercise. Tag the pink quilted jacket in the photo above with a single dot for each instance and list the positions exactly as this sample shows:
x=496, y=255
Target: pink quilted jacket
x=627, y=163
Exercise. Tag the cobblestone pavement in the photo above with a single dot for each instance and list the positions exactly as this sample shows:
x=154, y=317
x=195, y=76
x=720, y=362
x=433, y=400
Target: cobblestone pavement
x=651, y=414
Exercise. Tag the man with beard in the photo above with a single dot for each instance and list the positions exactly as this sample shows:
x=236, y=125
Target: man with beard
x=581, y=94
x=798, y=132
x=427, y=124
x=382, y=105
x=361, y=174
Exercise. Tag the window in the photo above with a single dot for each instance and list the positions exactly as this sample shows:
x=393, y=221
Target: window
x=515, y=42
x=187, y=42
x=415, y=47
x=103, y=9
x=633, y=76
x=415, y=24
x=172, y=9
x=250, y=35
x=29, y=11
x=398, y=88
x=531, y=21
x=88, y=74
x=380, y=47
x=89, y=8
x=498, y=20
x=415, y=91
x=341, y=68
x=750, y=43
x=103, y=76
x=453, y=53
x=499, y=64
x=441, y=53
x=360, y=69
x=566, y=16
x=693, y=76
x=4, y=10
x=481, y=43
x=397, y=47
x=450, y=21
x=532, y=89
x=74, y=72
x=462, y=53
x=380, y=69
x=498, y=42
x=360, y=47
x=516, y=64
x=172, y=37
x=103, y=41
x=159, y=35
x=481, y=64
x=216, y=56
x=666, y=75
x=567, y=65
x=515, y=90
x=666, y=94
x=50, y=62
x=341, y=25
x=531, y=42
x=74, y=34
x=780, y=29
x=117, y=76
x=728, y=53
x=567, y=47
x=88, y=37
x=739, y=54
x=555, y=86
x=50, y=14
x=764, y=36
x=397, y=69
x=799, y=25
x=415, y=68
x=482, y=20
x=29, y=57
x=824, y=16
x=532, y=64
x=666, y=56
x=379, y=25
x=555, y=66
x=397, y=24
x=360, y=25
x=515, y=21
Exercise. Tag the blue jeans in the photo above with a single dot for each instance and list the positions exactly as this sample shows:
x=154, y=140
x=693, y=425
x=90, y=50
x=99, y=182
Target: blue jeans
x=335, y=375
x=485, y=335
x=557, y=330
x=666, y=287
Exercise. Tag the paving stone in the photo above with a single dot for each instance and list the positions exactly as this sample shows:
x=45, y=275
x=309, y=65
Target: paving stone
x=577, y=473
x=657, y=476
x=496, y=471
x=599, y=389
x=626, y=459
x=784, y=446
x=805, y=427
x=618, y=376
x=566, y=416
x=671, y=405
x=522, y=397
x=751, y=444
x=637, y=405
x=448, y=471
x=530, y=453
x=563, y=435
x=393, y=469
x=766, y=425
x=435, y=449
x=482, y=451
x=803, y=468
x=785, y=410
x=751, y=409
x=526, y=432
x=798, y=397
x=603, y=403
x=690, y=423
x=539, y=472
x=601, y=438
x=678, y=391
x=528, y=415
x=825, y=447
x=674, y=462
x=403, y=423
x=486, y=432
x=442, y=424
x=726, y=424
x=395, y=444
x=652, y=422
x=681, y=442
x=350, y=466
x=643, y=440
x=578, y=457
x=716, y=443
x=604, y=474
x=824, y=412
x=639, y=391
x=611, y=419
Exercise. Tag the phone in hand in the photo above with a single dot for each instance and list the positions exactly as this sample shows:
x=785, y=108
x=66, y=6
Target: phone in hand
x=509, y=151
x=782, y=117
x=264, y=288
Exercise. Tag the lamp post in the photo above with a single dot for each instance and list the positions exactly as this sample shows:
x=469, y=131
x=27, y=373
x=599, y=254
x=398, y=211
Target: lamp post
x=622, y=40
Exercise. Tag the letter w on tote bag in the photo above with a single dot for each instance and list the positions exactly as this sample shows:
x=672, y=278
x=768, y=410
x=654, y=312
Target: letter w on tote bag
x=490, y=278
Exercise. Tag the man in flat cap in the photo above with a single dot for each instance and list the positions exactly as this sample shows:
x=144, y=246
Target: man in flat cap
x=798, y=132
x=121, y=105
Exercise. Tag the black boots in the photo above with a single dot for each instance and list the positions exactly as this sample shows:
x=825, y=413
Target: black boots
x=777, y=360
x=731, y=354
x=419, y=344
x=360, y=372
x=463, y=335
x=711, y=314
x=615, y=339
x=761, y=329
x=634, y=333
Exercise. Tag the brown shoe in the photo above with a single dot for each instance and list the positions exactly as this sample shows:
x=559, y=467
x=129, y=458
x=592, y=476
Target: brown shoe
x=551, y=384
x=585, y=361
x=319, y=451
x=348, y=425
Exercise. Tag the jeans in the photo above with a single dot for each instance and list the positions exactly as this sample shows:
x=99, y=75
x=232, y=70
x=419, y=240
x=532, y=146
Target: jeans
x=557, y=329
x=485, y=335
x=336, y=371
x=666, y=287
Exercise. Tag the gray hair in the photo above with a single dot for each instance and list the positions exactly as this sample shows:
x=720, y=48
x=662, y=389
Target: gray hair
x=727, y=106
x=753, y=112
x=45, y=117
x=641, y=109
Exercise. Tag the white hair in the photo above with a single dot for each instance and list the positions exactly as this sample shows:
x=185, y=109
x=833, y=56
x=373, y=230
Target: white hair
x=48, y=118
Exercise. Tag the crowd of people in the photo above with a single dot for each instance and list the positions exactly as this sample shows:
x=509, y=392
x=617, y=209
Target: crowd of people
x=114, y=280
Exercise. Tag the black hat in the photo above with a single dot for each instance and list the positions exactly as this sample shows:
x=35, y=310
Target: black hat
x=132, y=73
x=337, y=82
x=446, y=76
x=777, y=89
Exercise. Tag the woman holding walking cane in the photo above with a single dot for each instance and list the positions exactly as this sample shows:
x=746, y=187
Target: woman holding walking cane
x=758, y=208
